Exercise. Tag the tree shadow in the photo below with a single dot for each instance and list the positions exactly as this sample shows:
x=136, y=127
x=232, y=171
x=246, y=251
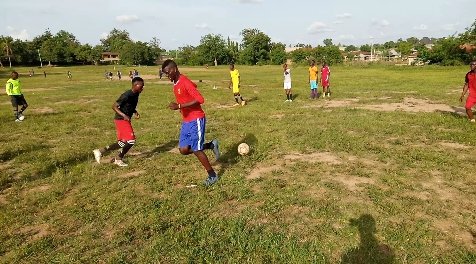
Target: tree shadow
x=11, y=154
x=370, y=250
x=230, y=157
x=296, y=95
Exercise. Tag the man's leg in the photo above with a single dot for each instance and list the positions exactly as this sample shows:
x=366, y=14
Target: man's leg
x=470, y=114
x=212, y=176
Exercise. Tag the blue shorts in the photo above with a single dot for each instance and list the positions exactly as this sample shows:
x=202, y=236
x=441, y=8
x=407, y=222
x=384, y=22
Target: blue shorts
x=313, y=84
x=192, y=134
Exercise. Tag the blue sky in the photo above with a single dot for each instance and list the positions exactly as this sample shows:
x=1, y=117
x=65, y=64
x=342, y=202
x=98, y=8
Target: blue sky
x=178, y=23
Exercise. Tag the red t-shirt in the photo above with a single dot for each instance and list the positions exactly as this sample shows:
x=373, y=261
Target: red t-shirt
x=325, y=71
x=470, y=79
x=186, y=91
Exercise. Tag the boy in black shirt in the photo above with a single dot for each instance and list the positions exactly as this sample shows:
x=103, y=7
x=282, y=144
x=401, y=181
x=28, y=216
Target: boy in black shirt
x=124, y=107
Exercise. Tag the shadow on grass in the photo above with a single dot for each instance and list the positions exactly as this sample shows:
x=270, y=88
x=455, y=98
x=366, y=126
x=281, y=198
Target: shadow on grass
x=369, y=250
x=251, y=99
x=230, y=157
x=11, y=154
x=56, y=165
x=160, y=149
x=458, y=112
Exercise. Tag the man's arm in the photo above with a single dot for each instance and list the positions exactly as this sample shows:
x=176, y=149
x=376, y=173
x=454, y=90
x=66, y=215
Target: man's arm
x=116, y=109
x=465, y=90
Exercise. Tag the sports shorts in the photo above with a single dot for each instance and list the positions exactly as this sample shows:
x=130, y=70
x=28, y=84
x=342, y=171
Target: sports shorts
x=124, y=130
x=313, y=84
x=193, y=134
x=17, y=100
x=470, y=102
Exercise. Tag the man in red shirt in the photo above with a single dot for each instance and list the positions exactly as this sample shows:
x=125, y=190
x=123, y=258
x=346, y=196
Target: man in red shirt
x=192, y=134
x=325, y=80
x=470, y=84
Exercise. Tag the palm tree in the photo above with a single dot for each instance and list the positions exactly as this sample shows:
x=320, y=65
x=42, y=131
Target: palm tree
x=8, y=51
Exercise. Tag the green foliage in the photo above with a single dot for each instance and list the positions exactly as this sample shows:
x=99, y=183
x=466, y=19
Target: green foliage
x=365, y=47
x=256, y=46
x=328, y=42
x=277, y=55
x=350, y=48
x=116, y=40
x=213, y=47
x=329, y=54
x=404, y=48
x=188, y=55
x=301, y=55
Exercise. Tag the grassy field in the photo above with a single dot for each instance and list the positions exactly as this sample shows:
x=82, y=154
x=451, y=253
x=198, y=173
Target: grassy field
x=382, y=172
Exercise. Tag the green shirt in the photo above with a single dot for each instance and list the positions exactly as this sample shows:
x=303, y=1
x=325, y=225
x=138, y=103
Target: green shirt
x=13, y=87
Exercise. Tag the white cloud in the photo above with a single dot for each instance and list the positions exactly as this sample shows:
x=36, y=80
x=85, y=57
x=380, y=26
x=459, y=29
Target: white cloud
x=380, y=23
x=127, y=18
x=346, y=37
x=421, y=27
x=318, y=27
x=338, y=22
x=18, y=34
x=104, y=35
x=344, y=15
x=250, y=1
x=450, y=27
x=202, y=26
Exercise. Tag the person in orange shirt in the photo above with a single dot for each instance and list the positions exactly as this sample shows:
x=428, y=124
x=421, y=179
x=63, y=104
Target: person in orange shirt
x=313, y=80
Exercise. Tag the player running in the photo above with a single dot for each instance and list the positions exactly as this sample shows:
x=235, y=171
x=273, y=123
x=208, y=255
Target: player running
x=470, y=84
x=125, y=107
x=192, y=134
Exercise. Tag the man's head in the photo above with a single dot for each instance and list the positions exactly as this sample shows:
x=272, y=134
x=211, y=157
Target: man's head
x=169, y=68
x=473, y=65
x=285, y=66
x=137, y=84
x=14, y=75
x=324, y=64
x=232, y=67
x=313, y=62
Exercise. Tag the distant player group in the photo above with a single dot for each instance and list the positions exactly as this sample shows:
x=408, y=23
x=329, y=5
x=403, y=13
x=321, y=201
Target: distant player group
x=188, y=101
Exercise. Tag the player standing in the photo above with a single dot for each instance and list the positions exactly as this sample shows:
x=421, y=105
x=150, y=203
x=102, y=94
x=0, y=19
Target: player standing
x=325, y=80
x=125, y=107
x=192, y=134
x=287, y=83
x=470, y=84
x=13, y=89
x=235, y=81
x=313, y=71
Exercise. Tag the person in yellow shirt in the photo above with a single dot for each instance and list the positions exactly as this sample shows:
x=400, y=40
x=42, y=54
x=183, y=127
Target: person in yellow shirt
x=313, y=80
x=235, y=81
x=13, y=89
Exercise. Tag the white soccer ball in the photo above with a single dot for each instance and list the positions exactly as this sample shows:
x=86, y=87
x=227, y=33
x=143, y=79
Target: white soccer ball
x=21, y=117
x=243, y=149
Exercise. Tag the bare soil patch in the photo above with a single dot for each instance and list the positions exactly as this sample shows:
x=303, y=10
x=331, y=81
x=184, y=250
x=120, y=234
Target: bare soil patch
x=3, y=199
x=38, y=189
x=35, y=232
x=453, y=145
x=42, y=110
x=443, y=191
x=410, y=104
x=258, y=171
x=325, y=157
x=352, y=182
x=451, y=229
x=132, y=174
x=277, y=116
x=80, y=101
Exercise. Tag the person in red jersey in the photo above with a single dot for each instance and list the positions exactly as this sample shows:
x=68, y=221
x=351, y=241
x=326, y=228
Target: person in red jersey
x=470, y=84
x=192, y=134
x=125, y=108
x=325, y=80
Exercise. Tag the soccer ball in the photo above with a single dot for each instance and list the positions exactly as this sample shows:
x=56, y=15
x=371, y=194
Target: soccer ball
x=243, y=149
x=21, y=117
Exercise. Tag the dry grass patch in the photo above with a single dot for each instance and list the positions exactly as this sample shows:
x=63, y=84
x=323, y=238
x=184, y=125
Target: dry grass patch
x=131, y=174
x=410, y=104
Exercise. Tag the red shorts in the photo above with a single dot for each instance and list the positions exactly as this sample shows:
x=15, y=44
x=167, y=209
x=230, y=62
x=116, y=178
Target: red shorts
x=470, y=102
x=124, y=130
x=325, y=83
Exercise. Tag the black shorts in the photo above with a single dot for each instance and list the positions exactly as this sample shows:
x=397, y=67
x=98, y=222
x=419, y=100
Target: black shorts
x=18, y=100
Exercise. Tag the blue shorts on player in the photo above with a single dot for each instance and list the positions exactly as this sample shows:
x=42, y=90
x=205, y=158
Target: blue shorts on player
x=313, y=84
x=193, y=134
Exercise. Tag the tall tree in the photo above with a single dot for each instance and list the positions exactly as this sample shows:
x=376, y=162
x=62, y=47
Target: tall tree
x=256, y=46
x=277, y=55
x=328, y=42
x=115, y=40
x=212, y=47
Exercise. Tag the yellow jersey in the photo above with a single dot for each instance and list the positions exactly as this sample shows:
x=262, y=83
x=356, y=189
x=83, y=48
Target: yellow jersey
x=235, y=77
x=313, y=71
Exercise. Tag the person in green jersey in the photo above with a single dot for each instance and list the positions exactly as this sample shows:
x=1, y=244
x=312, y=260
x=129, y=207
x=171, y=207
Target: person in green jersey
x=13, y=89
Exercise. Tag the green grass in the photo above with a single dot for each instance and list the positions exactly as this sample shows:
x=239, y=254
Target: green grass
x=335, y=184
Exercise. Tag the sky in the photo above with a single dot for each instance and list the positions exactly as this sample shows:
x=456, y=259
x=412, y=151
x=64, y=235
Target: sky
x=178, y=23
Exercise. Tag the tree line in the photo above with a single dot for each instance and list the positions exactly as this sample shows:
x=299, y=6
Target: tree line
x=255, y=48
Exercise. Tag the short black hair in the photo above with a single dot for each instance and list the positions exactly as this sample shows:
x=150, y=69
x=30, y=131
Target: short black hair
x=168, y=63
x=137, y=79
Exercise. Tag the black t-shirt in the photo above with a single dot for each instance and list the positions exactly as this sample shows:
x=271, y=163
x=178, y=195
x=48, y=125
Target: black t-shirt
x=127, y=104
